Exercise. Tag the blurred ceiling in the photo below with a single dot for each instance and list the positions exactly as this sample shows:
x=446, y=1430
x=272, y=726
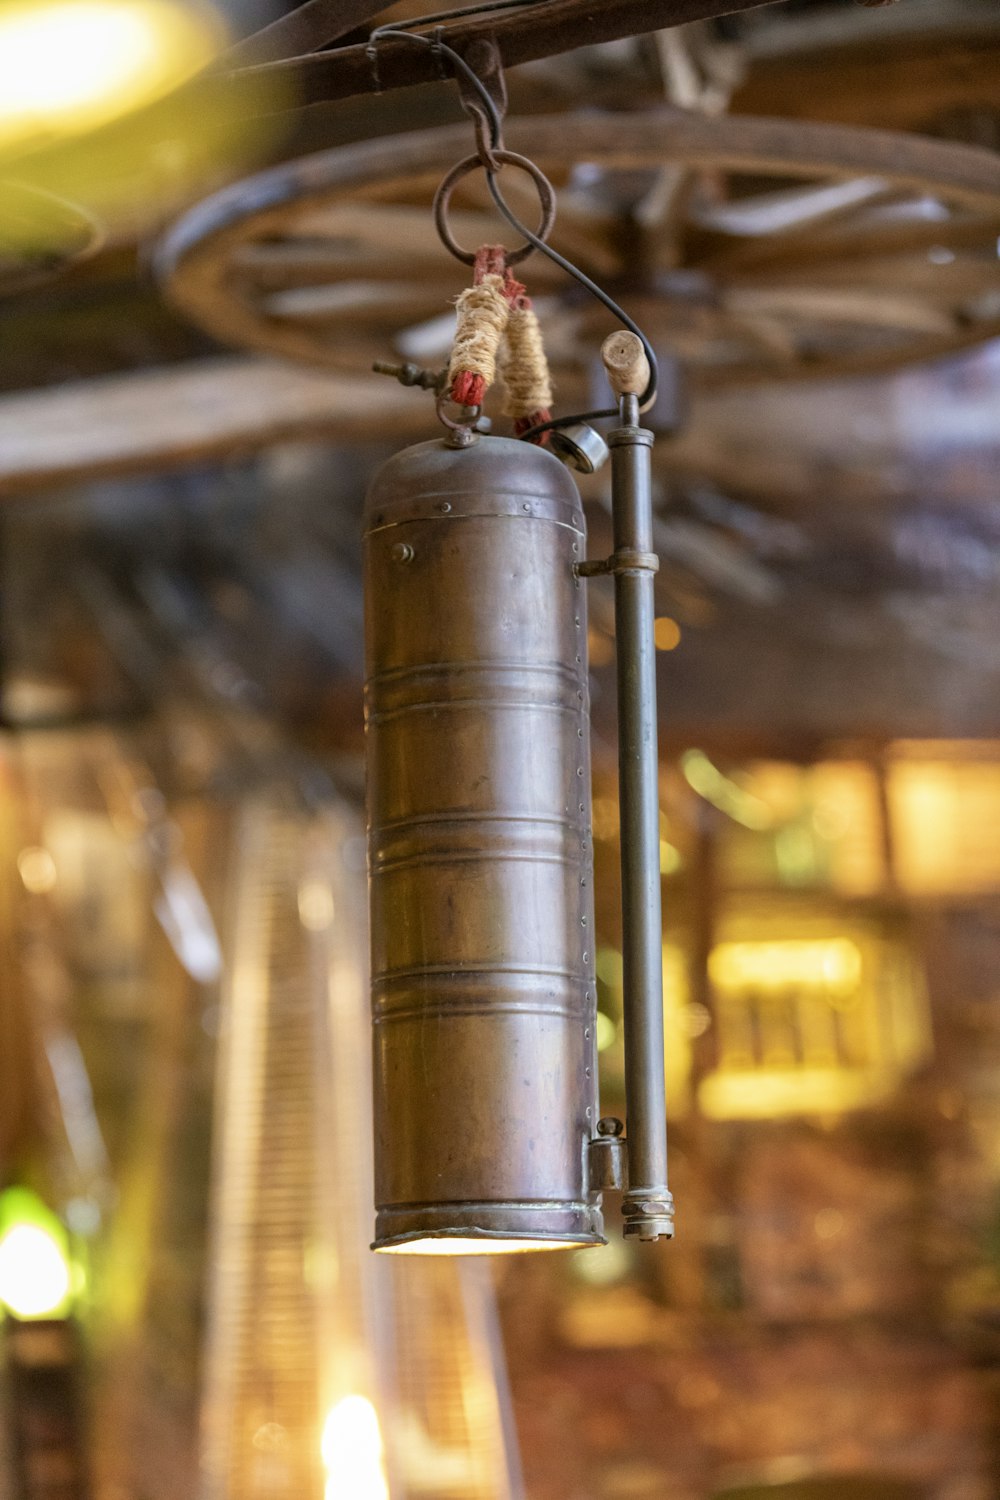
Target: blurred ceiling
x=829, y=548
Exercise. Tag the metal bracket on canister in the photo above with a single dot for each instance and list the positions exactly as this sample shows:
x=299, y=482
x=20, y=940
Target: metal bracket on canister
x=607, y=1164
x=624, y=560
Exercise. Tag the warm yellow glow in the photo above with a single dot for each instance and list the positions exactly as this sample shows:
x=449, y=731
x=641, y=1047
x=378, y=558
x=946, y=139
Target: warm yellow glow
x=724, y=793
x=34, y=1273
x=768, y=1094
x=455, y=1245
x=944, y=817
x=666, y=633
x=352, y=1451
x=37, y=870
x=605, y=1032
x=670, y=858
x=828, y=963
x=809, y=1018
x=315, y=905
x=71, y=66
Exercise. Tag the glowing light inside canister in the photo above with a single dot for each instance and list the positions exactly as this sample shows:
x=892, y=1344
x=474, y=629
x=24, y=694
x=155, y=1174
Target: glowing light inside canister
x=34, y=1272
x=353, y=1453
x=68, y=66
x=496, y=1244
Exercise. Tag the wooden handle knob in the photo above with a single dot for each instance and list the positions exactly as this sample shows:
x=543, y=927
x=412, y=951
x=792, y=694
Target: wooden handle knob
x=626, y=363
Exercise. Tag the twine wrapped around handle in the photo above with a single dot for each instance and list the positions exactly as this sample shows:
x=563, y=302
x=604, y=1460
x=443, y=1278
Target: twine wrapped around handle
x=525, y=369
x=483, y=311
x=498, y=328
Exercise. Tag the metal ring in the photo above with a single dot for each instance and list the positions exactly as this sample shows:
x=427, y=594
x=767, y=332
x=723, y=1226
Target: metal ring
x=442, y=201
x=462, y=424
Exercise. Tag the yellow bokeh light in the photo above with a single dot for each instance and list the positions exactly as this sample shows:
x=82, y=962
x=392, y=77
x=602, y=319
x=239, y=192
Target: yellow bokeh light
x=830, y=963
x=724, y=793
x=666, y=633
x=34, y=1272
x=606, y=1032
x=353, y=1453
x=37, y=870
x=72, y=66
x=315, y=905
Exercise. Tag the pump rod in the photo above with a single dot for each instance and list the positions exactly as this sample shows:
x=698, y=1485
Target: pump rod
x=647, y=1206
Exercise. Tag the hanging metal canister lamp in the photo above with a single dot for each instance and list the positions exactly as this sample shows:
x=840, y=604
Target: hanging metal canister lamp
x=487, y=1136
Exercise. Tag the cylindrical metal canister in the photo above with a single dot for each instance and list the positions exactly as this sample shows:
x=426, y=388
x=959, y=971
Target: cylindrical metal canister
x=479, y=849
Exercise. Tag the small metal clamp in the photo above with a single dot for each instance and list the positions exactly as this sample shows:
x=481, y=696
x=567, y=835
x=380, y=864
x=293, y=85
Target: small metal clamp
x=624, y=561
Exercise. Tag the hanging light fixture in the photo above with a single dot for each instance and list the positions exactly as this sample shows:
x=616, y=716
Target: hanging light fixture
x=487, y=1135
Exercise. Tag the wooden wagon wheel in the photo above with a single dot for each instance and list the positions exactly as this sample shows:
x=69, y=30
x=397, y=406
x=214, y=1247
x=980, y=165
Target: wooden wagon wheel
x=752, y=248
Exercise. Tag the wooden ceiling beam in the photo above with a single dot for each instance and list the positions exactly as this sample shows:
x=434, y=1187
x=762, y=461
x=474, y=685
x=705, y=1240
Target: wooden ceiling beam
x=191, y=413
x=521, y=34
x=314, y=24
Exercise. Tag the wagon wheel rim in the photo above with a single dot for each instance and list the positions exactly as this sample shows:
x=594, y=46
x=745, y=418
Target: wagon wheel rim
x=905, y=272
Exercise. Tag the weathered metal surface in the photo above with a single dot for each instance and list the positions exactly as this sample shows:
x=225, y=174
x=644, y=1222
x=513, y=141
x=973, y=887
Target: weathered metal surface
x=483, y=986
x=309, y=259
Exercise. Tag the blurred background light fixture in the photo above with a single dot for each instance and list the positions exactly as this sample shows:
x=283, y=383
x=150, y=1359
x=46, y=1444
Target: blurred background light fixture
x=68, y=67
x=330, y=1374
x=36, y=1273
x=353, y=1452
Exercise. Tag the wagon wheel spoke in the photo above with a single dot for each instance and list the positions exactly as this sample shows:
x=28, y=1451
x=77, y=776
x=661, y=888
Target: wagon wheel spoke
x=907, y=226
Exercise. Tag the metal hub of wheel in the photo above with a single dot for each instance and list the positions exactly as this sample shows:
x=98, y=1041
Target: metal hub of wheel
x=751, y=248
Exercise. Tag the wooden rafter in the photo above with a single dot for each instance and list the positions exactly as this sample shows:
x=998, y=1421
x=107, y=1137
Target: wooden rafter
x=192, y=413
x=314, y=24
x=523, y=34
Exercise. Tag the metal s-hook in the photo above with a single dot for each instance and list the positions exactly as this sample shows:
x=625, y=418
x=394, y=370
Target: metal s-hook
x=485, y=65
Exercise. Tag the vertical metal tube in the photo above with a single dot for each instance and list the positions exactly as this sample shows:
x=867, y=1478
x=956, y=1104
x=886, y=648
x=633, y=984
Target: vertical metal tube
x=647, y=1206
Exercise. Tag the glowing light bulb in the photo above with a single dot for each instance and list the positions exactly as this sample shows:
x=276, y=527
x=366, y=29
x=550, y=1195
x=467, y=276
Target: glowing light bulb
x=34, y=1272
x=352, y=1451
x=68, y=66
